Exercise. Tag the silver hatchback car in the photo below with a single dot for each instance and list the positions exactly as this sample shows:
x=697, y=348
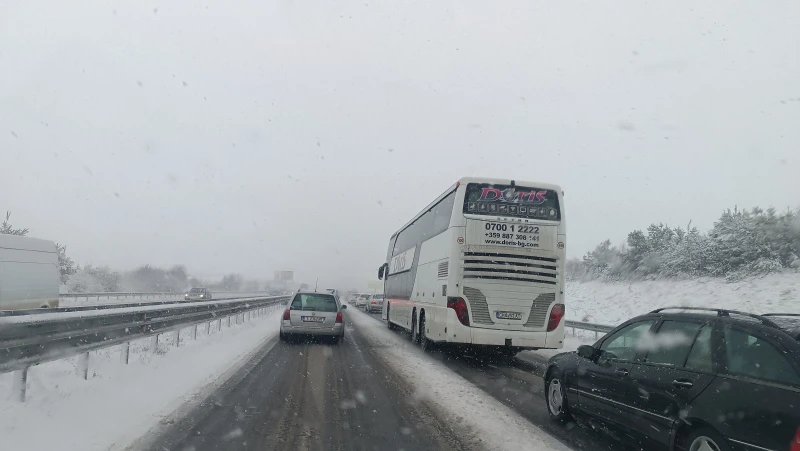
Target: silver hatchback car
x=315, y=314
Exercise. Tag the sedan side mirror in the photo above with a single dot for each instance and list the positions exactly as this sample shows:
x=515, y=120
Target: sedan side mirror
x=344, y=307
x=587, y=352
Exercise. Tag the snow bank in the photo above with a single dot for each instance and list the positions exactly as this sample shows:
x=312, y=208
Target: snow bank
x=119, y=403
x=613, y=303
x=496, y=425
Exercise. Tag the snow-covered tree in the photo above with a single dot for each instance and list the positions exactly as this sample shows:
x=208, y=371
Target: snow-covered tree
x=741, y=243
x=65, y=264
x=7, y=229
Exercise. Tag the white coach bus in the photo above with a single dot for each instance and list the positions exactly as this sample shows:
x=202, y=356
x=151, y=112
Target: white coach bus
x=483, y=265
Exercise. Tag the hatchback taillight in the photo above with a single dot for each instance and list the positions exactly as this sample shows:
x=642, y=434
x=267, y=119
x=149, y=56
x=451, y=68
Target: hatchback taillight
x=286, y=315
x=339, y=318
x=556, y=313
x=460, y=306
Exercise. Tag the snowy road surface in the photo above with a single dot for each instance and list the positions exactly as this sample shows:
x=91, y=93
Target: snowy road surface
x=313, y=396
x=242, y=388
x=519, y=385
x=373, y=391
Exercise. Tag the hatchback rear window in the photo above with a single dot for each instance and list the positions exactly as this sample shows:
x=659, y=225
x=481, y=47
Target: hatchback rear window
x=315, y=302
x=754, y=357
x=789, y=324
x=378, y=296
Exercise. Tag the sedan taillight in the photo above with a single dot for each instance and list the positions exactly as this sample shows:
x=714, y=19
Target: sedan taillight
x=286, y=315
x=339, y=318
x=795, y=445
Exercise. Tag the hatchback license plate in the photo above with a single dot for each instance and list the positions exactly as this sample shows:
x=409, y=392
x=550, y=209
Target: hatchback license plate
x=313, y=319
x=508, y=315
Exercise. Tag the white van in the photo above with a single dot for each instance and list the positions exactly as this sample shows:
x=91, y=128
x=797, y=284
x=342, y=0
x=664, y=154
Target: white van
x=29, y=273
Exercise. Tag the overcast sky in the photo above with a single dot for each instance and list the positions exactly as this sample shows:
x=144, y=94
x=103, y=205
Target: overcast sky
x=250, y=136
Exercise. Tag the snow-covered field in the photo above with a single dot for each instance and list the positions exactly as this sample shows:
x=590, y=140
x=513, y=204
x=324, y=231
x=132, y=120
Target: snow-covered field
x=499, y=427
x=613, y=303
x=120, y=402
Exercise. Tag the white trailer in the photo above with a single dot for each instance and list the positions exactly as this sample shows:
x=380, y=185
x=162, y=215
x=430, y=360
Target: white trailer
x=29, y=273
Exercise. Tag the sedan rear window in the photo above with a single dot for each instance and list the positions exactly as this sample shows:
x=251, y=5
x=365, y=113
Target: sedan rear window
x=378, y=296
x=315, y=302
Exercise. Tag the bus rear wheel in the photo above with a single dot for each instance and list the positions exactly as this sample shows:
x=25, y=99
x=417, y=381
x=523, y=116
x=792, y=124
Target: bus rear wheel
x=424, y=342
x=414, y=328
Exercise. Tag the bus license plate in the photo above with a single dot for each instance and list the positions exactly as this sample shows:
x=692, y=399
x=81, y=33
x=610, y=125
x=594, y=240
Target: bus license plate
x=312, y=319
x=508, y=315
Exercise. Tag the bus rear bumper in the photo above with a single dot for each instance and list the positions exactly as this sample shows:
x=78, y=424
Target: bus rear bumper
x=459, y=333
x=517, y=339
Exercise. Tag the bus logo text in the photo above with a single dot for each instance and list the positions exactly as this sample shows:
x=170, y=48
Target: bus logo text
x=511, y=195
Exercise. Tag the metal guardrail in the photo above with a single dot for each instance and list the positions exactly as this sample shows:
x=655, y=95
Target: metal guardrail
x=81, y=308
x=593, y=327
x=30, y=340
x=139, y=294
x=589, y=326
x=120, y=294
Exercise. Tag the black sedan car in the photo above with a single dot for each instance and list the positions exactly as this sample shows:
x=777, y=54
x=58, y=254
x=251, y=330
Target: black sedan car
x=688, y=379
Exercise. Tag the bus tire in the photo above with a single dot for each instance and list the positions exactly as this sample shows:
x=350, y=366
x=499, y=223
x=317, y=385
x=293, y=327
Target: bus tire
x=389, y=322
x=424, y=342
x=414, y=328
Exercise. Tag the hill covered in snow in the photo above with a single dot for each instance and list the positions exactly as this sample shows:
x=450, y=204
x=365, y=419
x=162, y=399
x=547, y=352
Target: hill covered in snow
x=614, y=302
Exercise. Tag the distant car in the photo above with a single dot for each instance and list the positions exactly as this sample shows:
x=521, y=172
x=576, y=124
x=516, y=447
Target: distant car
x=362, y=300
x=374, y=303
x=198, y=294
x=688, y=379
x=352, y=297
x=314, y=314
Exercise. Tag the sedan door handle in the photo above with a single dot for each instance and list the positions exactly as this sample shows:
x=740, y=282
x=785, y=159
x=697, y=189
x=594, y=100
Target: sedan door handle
x=682, y=383
x=622, y=371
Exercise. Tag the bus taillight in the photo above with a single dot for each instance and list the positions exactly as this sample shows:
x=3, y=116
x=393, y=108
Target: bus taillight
x=556, y=313
x=460, y=306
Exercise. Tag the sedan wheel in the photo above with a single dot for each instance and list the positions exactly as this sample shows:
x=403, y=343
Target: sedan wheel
x=556, y=402
x=705, y=439
x=704, y=444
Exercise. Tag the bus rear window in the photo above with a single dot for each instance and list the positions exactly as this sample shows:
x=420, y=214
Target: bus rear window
x=517, y=201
